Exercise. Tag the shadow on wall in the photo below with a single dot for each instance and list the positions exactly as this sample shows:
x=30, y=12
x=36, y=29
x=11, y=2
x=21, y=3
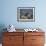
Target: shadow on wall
x=2, y=26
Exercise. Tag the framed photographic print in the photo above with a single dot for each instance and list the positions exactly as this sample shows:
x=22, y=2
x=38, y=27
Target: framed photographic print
x=26, y=14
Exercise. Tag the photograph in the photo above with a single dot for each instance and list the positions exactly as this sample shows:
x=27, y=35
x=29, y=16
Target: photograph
x=26, y=14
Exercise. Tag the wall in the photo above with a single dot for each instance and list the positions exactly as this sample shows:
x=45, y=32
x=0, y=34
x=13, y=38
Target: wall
x=9, y=13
